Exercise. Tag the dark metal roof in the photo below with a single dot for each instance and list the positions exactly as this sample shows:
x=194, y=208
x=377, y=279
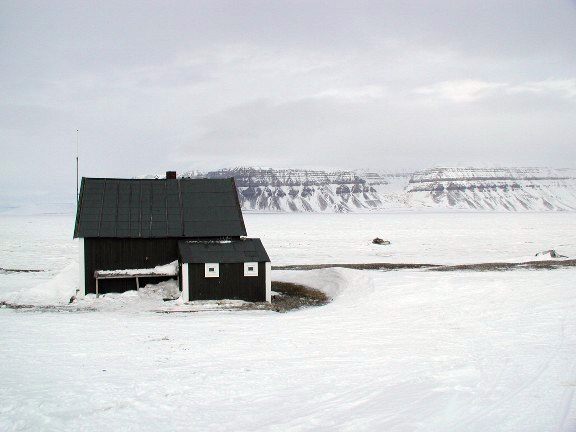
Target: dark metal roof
x=233, y=251
x=147, y=208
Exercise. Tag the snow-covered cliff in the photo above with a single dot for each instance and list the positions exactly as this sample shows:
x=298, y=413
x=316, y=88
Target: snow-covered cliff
x=508, y=189
x=293, y=190
x=513, y=189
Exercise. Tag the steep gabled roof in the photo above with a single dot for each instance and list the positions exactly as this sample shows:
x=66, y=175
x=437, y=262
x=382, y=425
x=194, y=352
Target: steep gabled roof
x=152, y=208
x=231, y=251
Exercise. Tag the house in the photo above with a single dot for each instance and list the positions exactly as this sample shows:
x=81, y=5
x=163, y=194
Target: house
x=129, y=230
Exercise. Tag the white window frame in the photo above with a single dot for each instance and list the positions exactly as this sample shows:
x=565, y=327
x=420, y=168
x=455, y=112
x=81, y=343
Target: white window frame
x=211, y=274
x=250, y=273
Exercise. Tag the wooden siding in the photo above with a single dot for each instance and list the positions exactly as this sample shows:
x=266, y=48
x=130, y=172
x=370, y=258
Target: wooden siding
x=232, y=284
x=119, y=254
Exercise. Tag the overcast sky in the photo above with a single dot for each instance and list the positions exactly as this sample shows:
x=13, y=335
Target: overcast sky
x=390, y=85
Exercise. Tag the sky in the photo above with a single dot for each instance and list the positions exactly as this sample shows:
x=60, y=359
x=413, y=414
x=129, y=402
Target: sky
x=198, y=85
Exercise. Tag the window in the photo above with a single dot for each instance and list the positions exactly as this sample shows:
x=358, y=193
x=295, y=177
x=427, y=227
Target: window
x=211, y=270
x=251, y=269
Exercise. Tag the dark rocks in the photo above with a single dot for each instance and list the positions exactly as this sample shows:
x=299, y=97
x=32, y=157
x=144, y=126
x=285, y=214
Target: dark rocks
x=357, y=188
x=380, y=241
x=307, y=191
x=552, y=253
x=7, y=271
x=251, y=192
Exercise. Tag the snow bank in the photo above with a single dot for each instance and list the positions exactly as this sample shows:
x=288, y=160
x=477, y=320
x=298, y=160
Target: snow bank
x=56, y=291
x=151, y=297
x=340, y=284
x=59, y=289
x=162, y=290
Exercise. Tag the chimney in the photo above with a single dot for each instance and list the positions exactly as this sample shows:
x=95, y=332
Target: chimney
x=171, y=175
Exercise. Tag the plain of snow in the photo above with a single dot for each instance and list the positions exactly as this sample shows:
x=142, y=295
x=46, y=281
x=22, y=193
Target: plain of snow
x=433, y=238
x=394, y=351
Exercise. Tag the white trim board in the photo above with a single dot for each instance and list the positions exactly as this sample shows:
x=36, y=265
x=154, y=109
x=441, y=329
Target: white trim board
x=185, y=284
x=269, y=282
x=81, y=270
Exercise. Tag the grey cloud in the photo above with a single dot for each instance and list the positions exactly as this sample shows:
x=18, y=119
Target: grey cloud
x=205, y=84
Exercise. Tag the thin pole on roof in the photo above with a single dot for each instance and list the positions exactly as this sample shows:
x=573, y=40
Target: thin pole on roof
x=77, y=147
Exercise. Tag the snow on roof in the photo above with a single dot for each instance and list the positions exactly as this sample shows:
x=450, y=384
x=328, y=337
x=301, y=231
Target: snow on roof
x=211, y=241
x=222, y=251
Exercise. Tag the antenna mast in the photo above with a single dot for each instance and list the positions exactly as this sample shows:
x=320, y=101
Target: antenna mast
x=77, y=191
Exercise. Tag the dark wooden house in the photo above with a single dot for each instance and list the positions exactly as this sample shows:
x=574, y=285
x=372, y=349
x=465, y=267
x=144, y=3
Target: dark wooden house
x=224, y=269
x=126, y=227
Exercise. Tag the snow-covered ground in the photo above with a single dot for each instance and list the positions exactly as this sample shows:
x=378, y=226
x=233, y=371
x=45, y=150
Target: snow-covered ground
x=434, y=238
x=395, y=351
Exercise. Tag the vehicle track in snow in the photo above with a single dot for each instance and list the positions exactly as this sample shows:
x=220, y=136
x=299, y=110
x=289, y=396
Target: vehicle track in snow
x=568, y=399
x=485, y=412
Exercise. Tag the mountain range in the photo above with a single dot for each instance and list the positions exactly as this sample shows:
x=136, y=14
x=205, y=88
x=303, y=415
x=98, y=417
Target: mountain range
x=490, y=189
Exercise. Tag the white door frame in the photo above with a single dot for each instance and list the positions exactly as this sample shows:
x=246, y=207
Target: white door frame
x=185, y=283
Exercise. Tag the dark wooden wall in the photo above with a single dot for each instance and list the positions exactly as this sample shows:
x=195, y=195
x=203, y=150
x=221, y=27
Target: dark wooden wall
x=232, y=284
x=118, y=254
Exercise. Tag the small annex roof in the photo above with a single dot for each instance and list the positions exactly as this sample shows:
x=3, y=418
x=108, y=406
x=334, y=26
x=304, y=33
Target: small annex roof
x=223, y=251
x=157, y=208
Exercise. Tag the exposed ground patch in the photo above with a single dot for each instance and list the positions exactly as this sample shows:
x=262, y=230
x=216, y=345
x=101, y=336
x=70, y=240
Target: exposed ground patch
x=294, y=296
x=366, y=266
x=495, y=266
x=45, y=308
x=7, y=271
x=289, y=296
x=533, y=265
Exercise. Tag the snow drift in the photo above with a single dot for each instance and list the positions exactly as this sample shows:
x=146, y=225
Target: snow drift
x=56, y=291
